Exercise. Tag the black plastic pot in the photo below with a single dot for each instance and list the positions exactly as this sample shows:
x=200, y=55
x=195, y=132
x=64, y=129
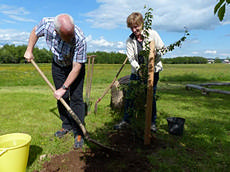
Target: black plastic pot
x=176, y=125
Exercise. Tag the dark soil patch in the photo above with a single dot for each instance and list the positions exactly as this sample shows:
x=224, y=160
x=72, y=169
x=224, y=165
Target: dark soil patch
x=99, y=160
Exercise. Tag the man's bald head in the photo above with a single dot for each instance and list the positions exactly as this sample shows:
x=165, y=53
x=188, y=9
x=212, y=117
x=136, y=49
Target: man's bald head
x=64, y=25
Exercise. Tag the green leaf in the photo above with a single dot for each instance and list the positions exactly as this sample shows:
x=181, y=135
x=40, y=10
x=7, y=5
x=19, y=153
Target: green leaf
x=221, y=12
x=228, y=1
x=218, y=6
x=183, y=38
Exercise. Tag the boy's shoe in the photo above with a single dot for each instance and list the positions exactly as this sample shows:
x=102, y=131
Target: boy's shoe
x=153, y=128
x=122, y=125
x=61, y=132
x=78, y=142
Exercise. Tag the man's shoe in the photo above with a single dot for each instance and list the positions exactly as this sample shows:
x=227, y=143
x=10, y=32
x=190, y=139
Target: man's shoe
x=122, y=125
x=78, y=142
x=153, y=128
x=61, y=132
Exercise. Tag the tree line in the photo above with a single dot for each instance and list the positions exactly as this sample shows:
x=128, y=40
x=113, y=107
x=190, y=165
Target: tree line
x=185, y=60
x=15, y=54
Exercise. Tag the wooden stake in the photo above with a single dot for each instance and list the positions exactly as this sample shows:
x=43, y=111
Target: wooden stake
x=88, y=77
x=149, y=99
x=89, y=81
x=91, y=76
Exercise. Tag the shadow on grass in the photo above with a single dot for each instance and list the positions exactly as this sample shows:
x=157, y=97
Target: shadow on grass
x=54, y=111
x=33, y=153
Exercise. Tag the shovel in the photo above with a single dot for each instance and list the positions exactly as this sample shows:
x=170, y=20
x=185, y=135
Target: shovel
x=74, y=116
x=89, y=83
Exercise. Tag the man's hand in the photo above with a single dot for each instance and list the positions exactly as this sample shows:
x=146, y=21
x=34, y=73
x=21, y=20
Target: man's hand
x=28, y=56
x=59, y=93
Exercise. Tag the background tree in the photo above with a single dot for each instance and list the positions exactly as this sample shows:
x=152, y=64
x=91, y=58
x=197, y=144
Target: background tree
x=217, y=60
x=185, y=60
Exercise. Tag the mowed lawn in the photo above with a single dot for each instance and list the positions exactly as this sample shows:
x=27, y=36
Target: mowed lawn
x=27, y=106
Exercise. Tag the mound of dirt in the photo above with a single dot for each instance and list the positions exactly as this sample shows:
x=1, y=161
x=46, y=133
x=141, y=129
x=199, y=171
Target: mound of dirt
x=99, y=160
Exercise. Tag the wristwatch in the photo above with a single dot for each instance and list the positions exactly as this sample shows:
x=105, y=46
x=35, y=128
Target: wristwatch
x=64, y=87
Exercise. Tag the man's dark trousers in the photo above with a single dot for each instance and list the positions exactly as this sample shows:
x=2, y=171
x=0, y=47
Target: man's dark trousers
x=73, y=96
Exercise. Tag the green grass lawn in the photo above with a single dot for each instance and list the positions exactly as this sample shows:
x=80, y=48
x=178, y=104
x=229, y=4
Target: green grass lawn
x=27, y=105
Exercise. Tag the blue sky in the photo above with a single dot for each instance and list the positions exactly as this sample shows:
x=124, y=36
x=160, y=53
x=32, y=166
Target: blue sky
x=104, y=23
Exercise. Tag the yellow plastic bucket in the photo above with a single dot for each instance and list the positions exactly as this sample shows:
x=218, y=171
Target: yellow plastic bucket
x=14, y=152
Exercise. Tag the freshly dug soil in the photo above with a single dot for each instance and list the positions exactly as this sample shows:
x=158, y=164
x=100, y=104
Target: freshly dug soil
x=99, y=160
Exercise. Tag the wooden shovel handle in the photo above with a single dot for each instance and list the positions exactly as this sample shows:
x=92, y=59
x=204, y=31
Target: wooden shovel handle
x=74, y=116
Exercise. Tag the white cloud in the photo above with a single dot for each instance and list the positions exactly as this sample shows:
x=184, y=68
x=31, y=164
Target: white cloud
x=112, y=14
x=210, y=52
x=195, y=52
x=8, y=21
x=10, y=36
x=225, y=54
x=10, y=10
x=102, y=44
x=168, y=15
x=21, y=19
x=194, y=41
x=14, y=13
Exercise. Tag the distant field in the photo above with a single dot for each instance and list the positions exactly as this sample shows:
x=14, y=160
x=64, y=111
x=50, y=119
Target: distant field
x=27, y=105
x=196, y=72
x=25, y=74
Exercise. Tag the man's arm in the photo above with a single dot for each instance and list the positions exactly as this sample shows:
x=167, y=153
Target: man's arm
x=32, y=41
x=70, y=79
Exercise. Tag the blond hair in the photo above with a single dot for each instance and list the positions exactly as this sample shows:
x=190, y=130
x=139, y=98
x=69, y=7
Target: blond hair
x=135, y=18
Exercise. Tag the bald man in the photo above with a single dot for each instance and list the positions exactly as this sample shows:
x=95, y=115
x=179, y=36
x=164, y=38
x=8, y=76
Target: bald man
x=67, y=43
